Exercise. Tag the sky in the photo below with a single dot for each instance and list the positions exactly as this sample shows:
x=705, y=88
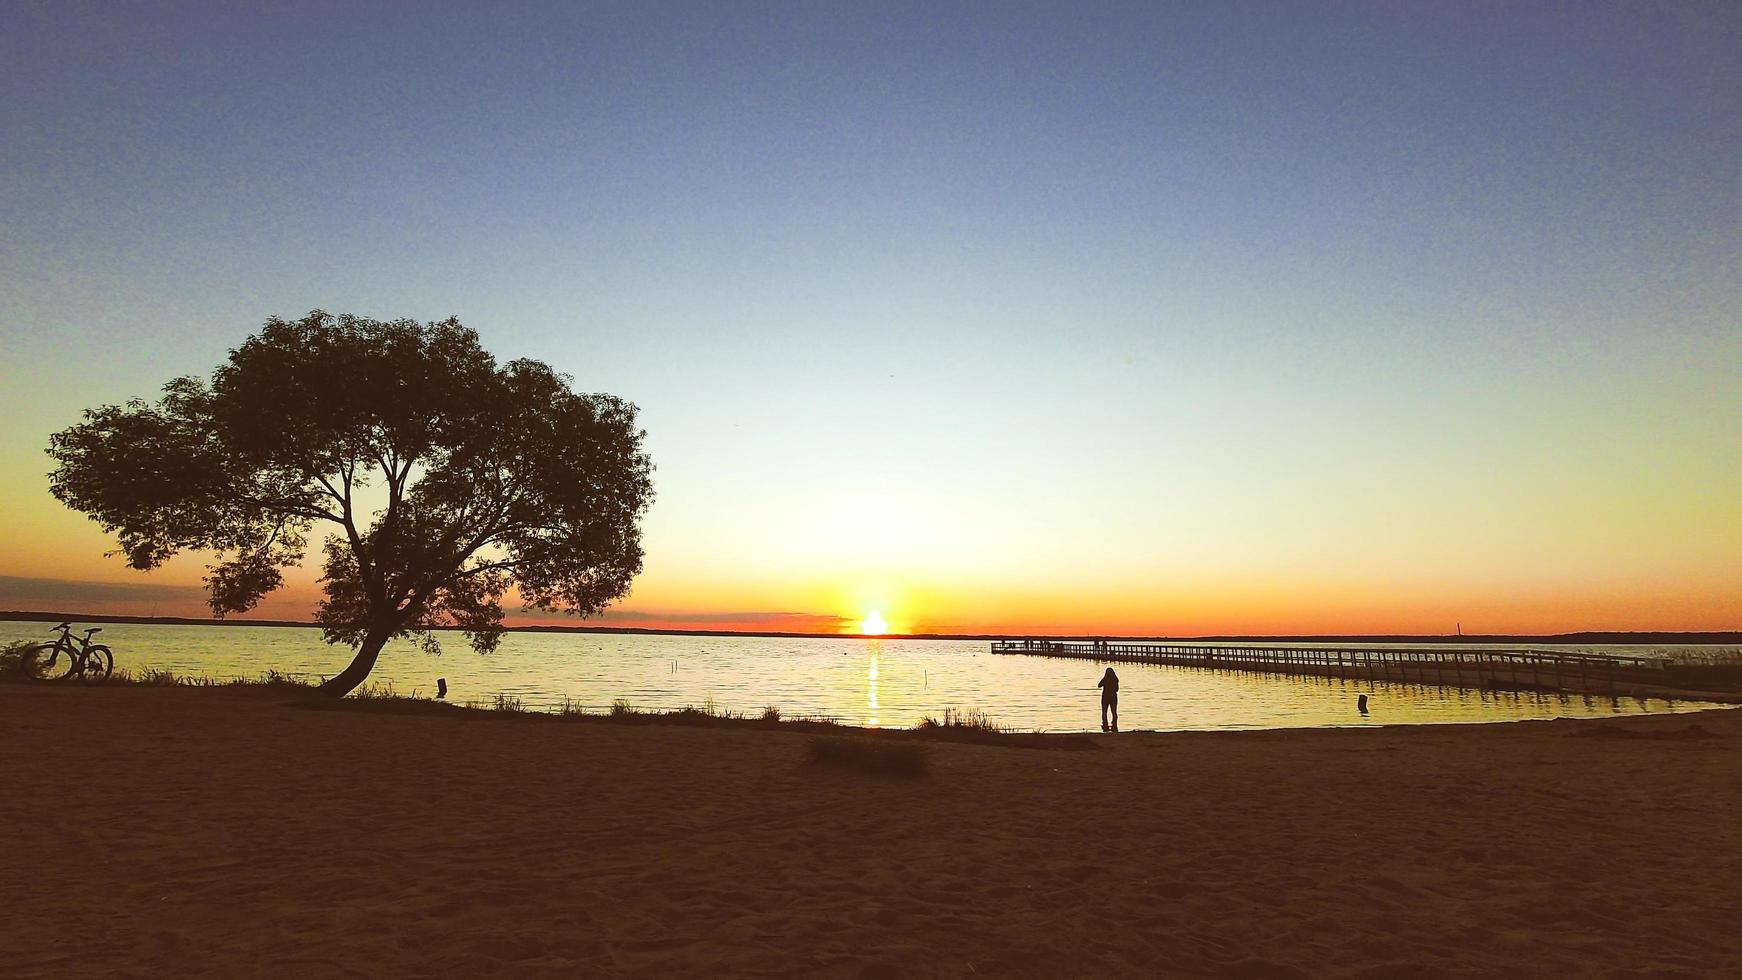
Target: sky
x=1069, y=318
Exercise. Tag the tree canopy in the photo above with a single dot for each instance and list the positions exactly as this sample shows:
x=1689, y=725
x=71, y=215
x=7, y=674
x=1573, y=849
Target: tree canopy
x=442, y=478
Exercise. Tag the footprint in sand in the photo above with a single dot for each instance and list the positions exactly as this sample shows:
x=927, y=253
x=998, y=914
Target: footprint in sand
x=510, y=949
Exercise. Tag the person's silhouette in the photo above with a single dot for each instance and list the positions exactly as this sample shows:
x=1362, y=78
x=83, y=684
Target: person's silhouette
x=1109, y=686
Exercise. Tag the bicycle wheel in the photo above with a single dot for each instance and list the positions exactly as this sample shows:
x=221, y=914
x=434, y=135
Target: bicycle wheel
x=48, y=662
x=99, y=664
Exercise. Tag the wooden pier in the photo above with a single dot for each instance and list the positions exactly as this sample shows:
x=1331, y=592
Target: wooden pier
x=1473, y=667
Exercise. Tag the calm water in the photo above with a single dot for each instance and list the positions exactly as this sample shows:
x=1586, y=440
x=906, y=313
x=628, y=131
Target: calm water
x=891, y=683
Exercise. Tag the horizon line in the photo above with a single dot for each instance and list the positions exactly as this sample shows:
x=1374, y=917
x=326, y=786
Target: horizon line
x=1586, y=636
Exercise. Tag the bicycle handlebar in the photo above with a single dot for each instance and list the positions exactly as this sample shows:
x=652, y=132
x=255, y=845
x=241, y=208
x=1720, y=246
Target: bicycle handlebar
x=64, y=626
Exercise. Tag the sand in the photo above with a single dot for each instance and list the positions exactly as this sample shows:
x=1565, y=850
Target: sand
x=172, y=832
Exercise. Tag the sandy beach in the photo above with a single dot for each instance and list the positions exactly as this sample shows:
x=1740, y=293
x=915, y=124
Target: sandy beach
x=171, y=832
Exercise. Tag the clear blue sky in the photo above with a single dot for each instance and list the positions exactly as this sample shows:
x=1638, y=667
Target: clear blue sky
x=1171, y=315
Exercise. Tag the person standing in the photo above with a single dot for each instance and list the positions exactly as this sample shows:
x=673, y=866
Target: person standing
x=1109, y=686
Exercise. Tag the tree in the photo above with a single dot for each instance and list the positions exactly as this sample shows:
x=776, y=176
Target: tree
x=444, y=479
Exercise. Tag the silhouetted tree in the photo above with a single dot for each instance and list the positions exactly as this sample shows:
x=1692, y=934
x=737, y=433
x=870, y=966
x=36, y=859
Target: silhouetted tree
x=448, y=479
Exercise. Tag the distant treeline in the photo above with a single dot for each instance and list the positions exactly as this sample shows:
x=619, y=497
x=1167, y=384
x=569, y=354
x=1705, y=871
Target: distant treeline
x=1688, y=638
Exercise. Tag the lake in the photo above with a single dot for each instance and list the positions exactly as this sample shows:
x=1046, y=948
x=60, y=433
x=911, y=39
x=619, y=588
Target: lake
x=885, y=683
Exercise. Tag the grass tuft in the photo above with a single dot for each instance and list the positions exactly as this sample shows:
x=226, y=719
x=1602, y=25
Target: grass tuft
x=275, y=678
x=975, y=727
x=956, y=718
x=376, y=691
x=150, y=677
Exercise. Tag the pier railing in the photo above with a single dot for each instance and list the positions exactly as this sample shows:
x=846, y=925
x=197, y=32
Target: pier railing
x=1451, y=666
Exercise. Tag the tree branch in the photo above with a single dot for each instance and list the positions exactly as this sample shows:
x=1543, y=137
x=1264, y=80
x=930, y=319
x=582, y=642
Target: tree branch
x=496, y=566
x=330, y=489
x=365, y=567
x=294, y=507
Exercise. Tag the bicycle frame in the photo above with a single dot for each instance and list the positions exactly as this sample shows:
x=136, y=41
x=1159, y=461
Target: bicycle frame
x=78, y=652
x=66, y=643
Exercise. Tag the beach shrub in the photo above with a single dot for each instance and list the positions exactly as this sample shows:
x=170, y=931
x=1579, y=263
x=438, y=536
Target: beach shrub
x=491, y=478
x=19, y=661
x=882, y=757
x=771, y=715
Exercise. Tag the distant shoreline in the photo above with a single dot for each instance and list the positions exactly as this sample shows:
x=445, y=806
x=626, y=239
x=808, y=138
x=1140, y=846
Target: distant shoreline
x=1683, y=638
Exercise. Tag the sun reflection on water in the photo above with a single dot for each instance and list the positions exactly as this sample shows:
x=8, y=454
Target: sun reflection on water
x=871, y=710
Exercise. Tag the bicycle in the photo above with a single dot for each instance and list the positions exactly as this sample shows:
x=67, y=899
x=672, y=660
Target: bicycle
x=57, y=661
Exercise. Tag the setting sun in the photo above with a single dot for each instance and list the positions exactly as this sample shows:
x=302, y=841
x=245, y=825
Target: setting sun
x=874, y=624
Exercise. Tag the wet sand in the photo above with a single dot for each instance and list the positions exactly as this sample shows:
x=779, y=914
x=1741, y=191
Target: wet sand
x=171, y=832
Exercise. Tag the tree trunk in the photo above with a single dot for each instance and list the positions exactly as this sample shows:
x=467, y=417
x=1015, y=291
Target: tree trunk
x=347, y=680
